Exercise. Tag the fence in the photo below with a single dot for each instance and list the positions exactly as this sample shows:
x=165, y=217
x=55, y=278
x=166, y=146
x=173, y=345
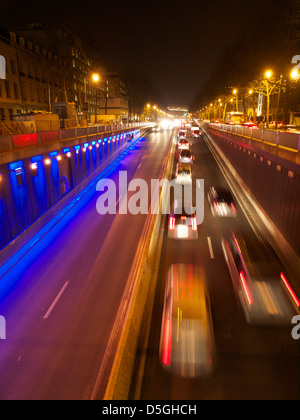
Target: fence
x=280, y=139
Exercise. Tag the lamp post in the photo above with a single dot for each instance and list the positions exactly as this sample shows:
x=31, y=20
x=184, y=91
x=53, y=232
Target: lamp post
x=268, y=75
x=96, y=80
x=251, y=95
x=235, y=92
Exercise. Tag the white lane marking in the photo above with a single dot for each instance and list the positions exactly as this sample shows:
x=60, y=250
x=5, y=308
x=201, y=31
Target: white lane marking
x=211, y=251
x=139, y=166
x=47, y=314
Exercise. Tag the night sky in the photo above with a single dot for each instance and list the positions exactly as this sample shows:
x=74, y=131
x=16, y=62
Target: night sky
x=175, y=44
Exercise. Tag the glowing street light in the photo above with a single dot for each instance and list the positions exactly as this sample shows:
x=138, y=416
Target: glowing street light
x=269, y=74
x=96, y=80
x=295, y=75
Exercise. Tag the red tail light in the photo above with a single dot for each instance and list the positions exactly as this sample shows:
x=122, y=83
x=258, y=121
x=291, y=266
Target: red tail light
x=290, y=290
x=194, y=224
x=167, y=343
x=246, y=288
x=233, y=207
x=172, y=223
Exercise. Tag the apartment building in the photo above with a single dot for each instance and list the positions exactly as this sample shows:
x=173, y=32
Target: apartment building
x=10, y=89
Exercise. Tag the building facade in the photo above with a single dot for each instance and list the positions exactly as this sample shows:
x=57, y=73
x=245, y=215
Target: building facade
x=10, y=87
x=49, y=65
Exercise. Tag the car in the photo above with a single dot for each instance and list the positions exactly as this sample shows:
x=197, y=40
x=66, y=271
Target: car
x=186, y=156
x=187, y=344
x=183, y=223
x=221, y=202
x=183, y=144
x=182, y=134
x=251, y=125
x=156, y=128
x=195, y=131
x=263, y=291
x=183, y=174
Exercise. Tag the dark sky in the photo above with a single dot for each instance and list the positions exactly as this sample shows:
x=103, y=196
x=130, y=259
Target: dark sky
x=175, y=44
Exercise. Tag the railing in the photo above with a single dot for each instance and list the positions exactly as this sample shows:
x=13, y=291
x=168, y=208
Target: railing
x=280, y=139
x=19, y=142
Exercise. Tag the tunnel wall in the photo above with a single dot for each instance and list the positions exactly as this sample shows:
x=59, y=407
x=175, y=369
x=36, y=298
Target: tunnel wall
x=31, y=186
x=275, y=183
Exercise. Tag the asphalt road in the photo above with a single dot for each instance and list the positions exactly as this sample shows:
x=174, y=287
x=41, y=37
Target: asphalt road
x=252, y=362
x=60, y=301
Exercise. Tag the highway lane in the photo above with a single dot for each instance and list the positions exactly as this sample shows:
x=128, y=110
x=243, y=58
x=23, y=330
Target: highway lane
x=252, y=362
x=60, y=301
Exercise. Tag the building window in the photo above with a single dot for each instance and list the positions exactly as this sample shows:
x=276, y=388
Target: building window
x=11, y=114
x=16, y=91
x=2, y=114
x=7, y=89
x=13, y=66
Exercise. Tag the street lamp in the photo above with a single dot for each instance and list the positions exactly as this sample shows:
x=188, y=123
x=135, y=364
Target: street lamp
x=268, y=75
x=253, y=105
x=295, y=75
x=96, y=80
x=235, y=92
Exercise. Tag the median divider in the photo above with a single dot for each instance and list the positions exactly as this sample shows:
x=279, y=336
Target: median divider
x=137, y=303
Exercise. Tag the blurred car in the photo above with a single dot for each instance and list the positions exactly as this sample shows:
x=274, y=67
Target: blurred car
x=156, y=128
x=183, y=144
x=187, y=346
x=221, y=202
x=251, y=125
x=186, y=156
x=182, y=223
x=276, y=125
x=182, y=134
x=195, y=131
x=183, y=174
x=263, y=291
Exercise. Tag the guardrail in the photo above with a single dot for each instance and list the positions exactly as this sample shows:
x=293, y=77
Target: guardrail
x=18, y=142
x=280, y=139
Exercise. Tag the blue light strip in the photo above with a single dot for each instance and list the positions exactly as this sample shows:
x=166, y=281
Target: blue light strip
x=53, y=154
x=36, y=159
x=15, y=165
